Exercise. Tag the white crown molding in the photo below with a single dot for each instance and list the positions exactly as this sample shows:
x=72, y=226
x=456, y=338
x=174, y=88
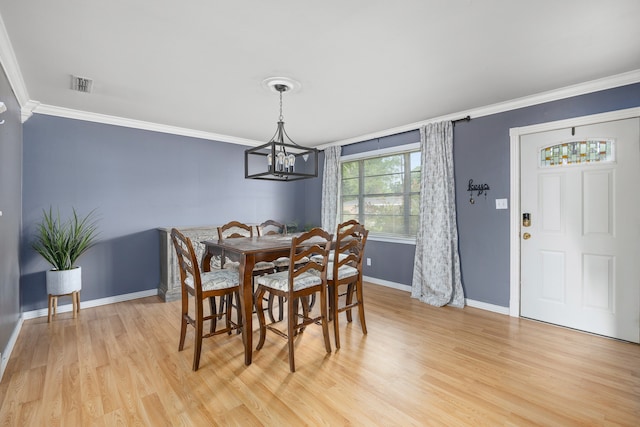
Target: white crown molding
x=27, y=110
x=610, y=82
x=11, y=68
x=69, y=113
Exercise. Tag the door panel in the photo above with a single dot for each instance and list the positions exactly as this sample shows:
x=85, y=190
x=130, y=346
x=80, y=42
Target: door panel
x=580, y=267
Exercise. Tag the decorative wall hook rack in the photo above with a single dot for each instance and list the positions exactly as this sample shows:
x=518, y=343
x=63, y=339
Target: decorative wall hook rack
x=480, y=189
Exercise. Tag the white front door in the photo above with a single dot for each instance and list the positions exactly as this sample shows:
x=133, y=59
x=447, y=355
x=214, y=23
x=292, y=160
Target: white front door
x=580, y=255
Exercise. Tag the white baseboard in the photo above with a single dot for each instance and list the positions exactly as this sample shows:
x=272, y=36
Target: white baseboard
x=4, y=357
x=471, y=303
x=93, y=303
x=388, y=284
x=486, y=306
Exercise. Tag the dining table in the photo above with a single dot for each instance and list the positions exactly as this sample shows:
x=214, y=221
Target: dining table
x=247, y=251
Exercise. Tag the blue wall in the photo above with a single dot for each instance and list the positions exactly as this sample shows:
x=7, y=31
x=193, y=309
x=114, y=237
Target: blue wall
x=10, y=205
x=137, y=180
x=133, y=177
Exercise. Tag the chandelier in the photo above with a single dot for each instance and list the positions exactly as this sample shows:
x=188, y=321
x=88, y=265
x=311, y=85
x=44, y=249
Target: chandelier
x=280, y=159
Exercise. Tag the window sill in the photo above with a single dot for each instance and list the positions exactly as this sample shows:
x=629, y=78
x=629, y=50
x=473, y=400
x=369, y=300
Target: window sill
x=392, y=239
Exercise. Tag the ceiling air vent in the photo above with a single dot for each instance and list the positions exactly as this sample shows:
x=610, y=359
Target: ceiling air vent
x=81, y=84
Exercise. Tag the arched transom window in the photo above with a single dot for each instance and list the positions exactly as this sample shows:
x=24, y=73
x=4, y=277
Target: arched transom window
x=578, y=152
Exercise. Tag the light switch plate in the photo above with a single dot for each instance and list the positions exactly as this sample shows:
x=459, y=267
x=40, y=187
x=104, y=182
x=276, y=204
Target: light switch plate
x=502, y=204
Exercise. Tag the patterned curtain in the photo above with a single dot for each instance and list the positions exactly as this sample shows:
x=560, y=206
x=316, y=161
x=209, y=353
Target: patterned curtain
x=331, y=178
x=436, y=268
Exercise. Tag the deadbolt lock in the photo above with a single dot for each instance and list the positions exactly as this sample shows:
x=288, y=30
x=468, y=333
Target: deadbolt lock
x=526, y=236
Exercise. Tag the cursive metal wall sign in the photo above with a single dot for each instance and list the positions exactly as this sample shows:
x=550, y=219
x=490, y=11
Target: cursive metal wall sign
x=480, y=189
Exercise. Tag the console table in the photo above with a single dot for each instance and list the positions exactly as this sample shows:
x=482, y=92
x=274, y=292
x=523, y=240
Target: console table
x=169, y=287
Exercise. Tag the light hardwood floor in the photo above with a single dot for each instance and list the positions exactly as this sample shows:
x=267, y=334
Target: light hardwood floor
x=419, y=365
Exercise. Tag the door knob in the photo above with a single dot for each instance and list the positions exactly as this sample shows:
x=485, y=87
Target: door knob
x=526, y=236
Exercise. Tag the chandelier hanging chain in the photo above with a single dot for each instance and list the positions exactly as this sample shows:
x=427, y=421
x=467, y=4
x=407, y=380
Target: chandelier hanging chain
x=281, y=116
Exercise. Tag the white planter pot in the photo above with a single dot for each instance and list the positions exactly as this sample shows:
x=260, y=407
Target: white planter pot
x=61, y=282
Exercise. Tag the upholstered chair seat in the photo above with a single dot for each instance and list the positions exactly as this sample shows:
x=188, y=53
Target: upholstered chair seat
x=341, y=257
x=280, y=280
x=215, y=280
x=344, y=271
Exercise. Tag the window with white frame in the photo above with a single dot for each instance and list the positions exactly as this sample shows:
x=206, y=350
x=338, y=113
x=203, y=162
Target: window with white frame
x=383, y=192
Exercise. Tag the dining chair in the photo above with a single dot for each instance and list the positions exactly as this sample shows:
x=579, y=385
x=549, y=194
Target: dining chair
x=267, y=228
x=235, y=229
x=203, y=286
x=298, y=282
x=270, y=227
x=347, y=271
x=342, y=226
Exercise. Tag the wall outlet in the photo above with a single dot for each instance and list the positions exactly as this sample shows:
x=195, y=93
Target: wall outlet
x=368, y=262
x=502, y=204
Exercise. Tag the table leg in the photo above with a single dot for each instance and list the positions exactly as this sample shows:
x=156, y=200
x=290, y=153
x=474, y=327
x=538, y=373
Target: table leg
x=247, y=263
x=206, y=260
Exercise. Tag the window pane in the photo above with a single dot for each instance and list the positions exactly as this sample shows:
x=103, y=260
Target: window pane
x=388, y=224
x=415, y=182
x=384, y=205
x=413, y=225
x=383, y=184
x=350, y=206
x=384, y=165
x=415, y=161
x=380, y=201
x=346, y=217
x=350, y=186
x=350, y=169
x=415, y=204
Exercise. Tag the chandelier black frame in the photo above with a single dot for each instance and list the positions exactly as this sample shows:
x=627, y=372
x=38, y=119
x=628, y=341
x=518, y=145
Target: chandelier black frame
x=278, y=160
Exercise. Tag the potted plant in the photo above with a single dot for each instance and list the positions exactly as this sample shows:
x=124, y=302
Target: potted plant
x=61, y=243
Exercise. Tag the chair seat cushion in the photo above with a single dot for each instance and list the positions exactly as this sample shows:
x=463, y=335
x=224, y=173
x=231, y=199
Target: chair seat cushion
x=216, y=279
x=285, y=261
x=264, y=265
x=260, y=265
x=344, y=271
x=318, y=258
x=280, y=281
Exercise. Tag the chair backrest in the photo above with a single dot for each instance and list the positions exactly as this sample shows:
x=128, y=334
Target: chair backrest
x=346, y=224
x=271, y=227
x=349, y=247
x=315, y=242
x=234, y=229
x=187, y=263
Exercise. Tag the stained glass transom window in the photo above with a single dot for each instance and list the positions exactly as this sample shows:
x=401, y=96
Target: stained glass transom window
x=577, y=152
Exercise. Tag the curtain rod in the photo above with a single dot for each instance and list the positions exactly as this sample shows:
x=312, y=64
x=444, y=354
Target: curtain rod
x=464, y=119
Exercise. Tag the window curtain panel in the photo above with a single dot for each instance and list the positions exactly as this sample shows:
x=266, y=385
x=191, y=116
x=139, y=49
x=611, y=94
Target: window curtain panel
x=436, y=268
x=331, y=178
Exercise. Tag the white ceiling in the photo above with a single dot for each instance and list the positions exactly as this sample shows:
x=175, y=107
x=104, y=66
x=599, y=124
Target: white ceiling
x=364, y=65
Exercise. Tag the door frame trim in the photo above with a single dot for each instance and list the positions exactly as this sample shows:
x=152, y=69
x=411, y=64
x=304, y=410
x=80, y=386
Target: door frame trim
x=514, y=174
